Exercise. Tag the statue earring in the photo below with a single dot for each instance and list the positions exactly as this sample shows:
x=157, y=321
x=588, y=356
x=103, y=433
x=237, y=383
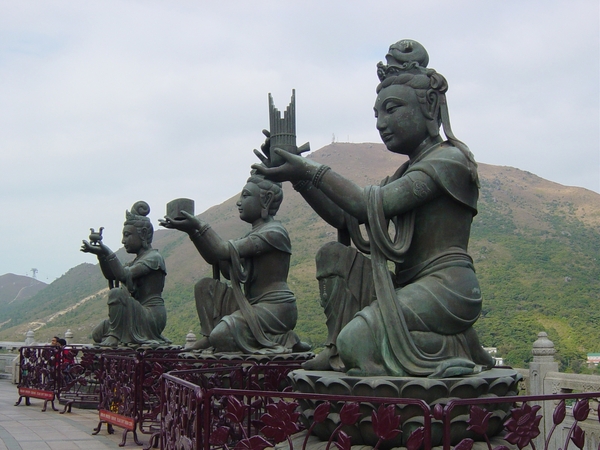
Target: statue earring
x=433, y=128
x=264, y=213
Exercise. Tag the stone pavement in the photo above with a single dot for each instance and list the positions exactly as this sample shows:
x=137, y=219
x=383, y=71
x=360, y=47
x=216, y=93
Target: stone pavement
x=27, y=428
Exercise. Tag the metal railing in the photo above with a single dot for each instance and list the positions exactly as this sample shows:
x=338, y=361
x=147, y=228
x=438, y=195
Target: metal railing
x=199, y=415
x=193, y=403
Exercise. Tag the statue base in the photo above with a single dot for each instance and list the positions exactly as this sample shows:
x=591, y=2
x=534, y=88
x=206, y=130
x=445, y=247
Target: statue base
x=490, y=383
x=243, y=357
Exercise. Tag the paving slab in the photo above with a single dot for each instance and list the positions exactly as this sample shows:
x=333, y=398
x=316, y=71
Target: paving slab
x=28, y=428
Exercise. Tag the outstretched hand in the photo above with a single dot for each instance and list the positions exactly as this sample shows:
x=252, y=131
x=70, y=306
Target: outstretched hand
x=294, y=168
x=97, y=249
x=265, y=148
x=189, y=224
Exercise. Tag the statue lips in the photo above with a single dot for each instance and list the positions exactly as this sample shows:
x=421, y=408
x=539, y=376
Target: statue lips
x=385, y=137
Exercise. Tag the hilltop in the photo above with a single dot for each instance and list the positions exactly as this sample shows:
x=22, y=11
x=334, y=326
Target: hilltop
x=536, y=246
x=17, y=288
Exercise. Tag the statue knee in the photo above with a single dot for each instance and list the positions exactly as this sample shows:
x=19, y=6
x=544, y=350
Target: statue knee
x=355, y=342
x=221, y=339
x=204, y=288
x=100, y=331
x=329, y=249
x=358, y=349
x=335, y=260
x=328, y=254
x=205, y=284
x=117, y=296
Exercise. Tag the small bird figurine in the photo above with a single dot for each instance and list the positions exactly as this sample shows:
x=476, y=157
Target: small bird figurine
x=95, y=237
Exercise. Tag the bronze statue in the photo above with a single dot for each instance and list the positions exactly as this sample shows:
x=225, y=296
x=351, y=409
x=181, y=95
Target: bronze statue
x=261, y=318
x=136, y=310
x=416, y=320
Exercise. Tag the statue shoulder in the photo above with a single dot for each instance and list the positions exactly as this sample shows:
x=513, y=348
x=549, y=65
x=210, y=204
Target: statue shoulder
x=449, y=168
x=274, y=234
x=153, y=260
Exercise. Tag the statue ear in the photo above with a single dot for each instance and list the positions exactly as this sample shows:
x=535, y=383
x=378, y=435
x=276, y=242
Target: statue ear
x=266, y=199
x=143, y=234
x=432, y=112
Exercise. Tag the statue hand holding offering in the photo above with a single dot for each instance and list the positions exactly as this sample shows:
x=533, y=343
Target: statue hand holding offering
x=282, y=135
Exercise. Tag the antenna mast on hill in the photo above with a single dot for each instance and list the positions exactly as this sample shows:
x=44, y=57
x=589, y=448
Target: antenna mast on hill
x=34, y=272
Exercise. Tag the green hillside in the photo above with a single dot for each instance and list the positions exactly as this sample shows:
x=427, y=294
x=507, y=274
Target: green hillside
x=536, y=246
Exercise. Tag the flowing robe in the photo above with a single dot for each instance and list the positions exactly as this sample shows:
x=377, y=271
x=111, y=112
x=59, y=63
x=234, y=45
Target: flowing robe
x=136, y=309
x=421, y=314
x=258, y=324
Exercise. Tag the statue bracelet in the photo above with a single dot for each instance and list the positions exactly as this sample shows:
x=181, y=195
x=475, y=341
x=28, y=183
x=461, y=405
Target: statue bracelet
x=316, y=180
x=302, y=186
x=199, y=232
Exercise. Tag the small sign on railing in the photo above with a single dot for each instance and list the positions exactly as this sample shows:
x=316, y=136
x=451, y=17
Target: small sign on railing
x=117, y=419
x=36, y=393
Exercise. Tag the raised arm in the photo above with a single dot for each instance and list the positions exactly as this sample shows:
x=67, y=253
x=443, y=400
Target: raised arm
x=398, y=197
x=326, y=190
x=209, y=244
x=125, y=274
x=322, y=205
x=333, y=192
x=102, y=252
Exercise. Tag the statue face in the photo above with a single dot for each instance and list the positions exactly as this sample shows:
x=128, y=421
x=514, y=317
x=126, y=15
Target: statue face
x=400, y=120
x=250, y=205
x=131, y=239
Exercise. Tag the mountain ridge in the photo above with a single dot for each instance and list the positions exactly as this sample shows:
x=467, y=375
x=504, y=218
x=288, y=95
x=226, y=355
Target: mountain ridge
x=15, y=288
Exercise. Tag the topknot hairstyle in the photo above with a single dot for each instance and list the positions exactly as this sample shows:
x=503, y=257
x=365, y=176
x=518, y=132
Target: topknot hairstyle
x=138, y=218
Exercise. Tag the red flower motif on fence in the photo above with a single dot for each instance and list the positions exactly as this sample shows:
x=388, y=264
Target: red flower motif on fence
x=438, y=411
x=523, y=425
x=281, y=420
x=321, y=412
x=385, y=422
x=478, y=420
x=253, y=443
x=465, y=444
x=559, y=413
x=350, y=413
x=581, y=410
x=578, y=436
x=344, y=442
x=236, y=410
x=219, y=436
x=415, y=441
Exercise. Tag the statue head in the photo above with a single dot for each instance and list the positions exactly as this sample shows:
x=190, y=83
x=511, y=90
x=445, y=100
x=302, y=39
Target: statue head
x=268, y=197
x=137, y=224
x=407, y=66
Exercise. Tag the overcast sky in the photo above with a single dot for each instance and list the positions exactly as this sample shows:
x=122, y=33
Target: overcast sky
x=103, y=103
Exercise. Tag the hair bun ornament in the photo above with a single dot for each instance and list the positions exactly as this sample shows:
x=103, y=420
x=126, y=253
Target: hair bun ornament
x=141, y=208
x=407, y=51
x=405, y=56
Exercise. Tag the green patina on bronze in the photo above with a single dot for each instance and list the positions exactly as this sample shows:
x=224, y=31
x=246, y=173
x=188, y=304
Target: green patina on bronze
x=417, y=319
x=136, y=309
